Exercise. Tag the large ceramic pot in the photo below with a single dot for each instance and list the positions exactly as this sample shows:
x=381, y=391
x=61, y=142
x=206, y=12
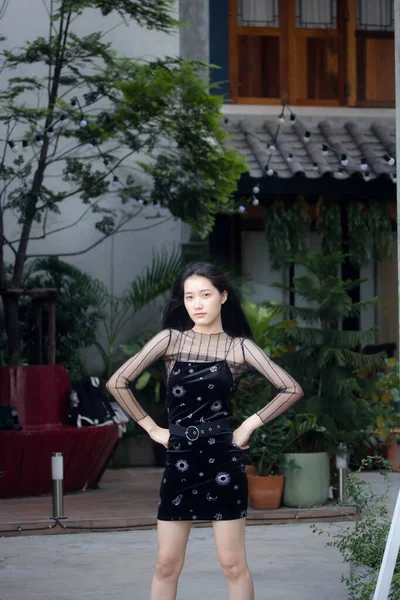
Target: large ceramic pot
x=265, y=492
x=307, y=480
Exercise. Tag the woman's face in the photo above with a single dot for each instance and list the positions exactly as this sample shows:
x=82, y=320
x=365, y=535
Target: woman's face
x=203, y=301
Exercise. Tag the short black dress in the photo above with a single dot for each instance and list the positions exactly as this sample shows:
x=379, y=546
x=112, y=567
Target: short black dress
x=203, y=479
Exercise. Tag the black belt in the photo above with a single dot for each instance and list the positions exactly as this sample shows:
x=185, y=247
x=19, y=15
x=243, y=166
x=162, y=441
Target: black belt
x=194, y=432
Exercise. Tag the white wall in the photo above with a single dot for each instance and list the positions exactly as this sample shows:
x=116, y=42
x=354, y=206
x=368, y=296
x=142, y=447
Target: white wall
x=118, y=260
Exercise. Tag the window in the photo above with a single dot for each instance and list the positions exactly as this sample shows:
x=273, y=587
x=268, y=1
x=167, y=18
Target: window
x=315, y=52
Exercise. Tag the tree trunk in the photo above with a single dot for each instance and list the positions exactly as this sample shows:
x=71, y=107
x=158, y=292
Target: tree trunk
x=10, y=304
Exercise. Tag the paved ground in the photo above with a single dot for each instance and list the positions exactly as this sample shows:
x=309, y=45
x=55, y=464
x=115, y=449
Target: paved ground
x=288, y=562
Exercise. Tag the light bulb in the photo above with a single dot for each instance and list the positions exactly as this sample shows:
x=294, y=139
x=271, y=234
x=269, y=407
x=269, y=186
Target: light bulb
x=271, y=148
x=256, y=202
x=325, y=150
x=140, y=201
x=344, y=160
x=315, y=166
x=292, y=118
x=270, y=172
x=115, y=181
x=307, y=137
x=25, y=145
x=390, y=160
x=13, y=146
x=281, y=118
x=83, y=123
x=363, y=165
x=241, y=209
x=256, y=189
x=289, y=158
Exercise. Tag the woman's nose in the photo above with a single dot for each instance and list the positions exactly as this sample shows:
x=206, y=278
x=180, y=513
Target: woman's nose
x=198, y=304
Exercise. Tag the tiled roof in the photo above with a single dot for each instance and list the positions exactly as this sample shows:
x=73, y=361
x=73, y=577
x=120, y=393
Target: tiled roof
x=361, y=138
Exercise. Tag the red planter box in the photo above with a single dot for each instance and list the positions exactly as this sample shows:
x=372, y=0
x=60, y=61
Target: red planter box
x=40, y=393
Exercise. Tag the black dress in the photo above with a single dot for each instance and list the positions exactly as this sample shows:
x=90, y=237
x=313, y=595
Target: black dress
x=203, y=479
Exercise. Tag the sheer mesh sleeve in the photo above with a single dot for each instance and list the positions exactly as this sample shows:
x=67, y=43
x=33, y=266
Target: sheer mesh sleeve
x=289, y=391
x=118, y=384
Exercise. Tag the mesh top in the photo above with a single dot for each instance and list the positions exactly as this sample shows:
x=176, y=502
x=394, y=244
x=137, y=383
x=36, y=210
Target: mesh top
x=241, y=355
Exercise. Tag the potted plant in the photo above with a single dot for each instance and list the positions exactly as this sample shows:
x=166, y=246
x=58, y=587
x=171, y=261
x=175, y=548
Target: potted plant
x=326, y=361
x=362, y=542
x=266, y=450
x=384, y=398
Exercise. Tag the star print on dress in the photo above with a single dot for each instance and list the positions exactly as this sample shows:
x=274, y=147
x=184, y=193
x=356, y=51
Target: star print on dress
x=191, y=370
x=194, y=517
x=234, y=459
x=182, y=465
x=177, y=500
x=176, y=372
x=211, y=386
x=211, y=441
x=201, y=474
x=199, y=398
x=211, y=460
x=178, y=391
x=223, y=478
x=218, y=517
x=214, y=369
x=194, y=492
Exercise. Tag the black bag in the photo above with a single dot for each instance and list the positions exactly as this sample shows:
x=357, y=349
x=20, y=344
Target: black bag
x=89, y=404
x=9, y=418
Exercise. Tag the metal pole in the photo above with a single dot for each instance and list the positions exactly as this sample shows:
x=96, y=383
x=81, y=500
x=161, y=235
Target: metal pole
x=385, y=577
x=342, y=474
x=57, y=474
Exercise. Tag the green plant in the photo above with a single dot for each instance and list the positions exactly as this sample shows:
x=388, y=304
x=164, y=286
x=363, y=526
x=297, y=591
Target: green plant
x=87, y=116
x=384, y=398
x=153, y=376
x=326, y=360
x=362, y=543
x=79, y=305
x=265, y=330
x=268, y=444
x=156, y=280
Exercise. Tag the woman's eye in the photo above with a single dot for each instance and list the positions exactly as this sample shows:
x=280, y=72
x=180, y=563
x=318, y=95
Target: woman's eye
x=206, y=295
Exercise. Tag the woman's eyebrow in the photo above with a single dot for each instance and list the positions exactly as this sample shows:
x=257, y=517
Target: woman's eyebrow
x=206, y=290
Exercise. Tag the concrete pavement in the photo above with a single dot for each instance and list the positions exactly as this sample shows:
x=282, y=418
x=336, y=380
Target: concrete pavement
x=287, y=562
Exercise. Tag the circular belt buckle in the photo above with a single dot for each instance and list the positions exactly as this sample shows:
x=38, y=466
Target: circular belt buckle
x=192, y=429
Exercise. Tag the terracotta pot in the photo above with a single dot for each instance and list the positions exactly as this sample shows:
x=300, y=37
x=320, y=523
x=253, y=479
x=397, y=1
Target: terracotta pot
x=250, y=470
x=265, y=492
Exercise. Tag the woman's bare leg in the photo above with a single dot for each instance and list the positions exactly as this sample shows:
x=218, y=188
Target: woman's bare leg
x=172, y=541
x=230, y=540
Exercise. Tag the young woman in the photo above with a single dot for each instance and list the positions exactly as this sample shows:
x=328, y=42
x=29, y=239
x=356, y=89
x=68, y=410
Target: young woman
x=206, y=345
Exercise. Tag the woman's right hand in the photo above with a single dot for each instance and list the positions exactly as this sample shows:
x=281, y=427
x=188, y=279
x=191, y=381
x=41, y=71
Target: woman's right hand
x=160, y=435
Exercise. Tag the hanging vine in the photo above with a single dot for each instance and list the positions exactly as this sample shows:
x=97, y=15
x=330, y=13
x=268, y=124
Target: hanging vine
x=287, y=226
x=360, y=239
x=329, y=225
x=380, y=230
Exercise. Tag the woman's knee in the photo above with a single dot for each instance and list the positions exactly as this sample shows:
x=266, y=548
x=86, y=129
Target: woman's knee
x=168, y=567
x=234, y=568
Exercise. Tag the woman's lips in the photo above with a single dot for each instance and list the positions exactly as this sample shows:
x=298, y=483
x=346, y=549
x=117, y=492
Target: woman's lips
x=200, y=314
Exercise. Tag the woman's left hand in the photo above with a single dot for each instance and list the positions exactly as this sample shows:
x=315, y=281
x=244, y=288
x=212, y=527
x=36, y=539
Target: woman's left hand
x=241, y=436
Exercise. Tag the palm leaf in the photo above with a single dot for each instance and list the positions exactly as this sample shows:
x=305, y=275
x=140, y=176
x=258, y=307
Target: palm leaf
x=156, y=280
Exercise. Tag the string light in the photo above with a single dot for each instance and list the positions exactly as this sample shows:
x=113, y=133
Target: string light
x=256, y=201
x=270, y=172
x=39, y=139
x=394, y=178
x=390, y=160
x=344, y=160
x=282, y=117
x=325, y=150
x=256, y=189
x=13, y=146
x=25, y=145
x=307, y=137
x=292, y=118
x=63, y=116
x=364, y=164
x=367, y=176
x=83, y=123
x=115, y=181
x=272, y=148
x=289, y=158
x=315, y=166
x=242, y=208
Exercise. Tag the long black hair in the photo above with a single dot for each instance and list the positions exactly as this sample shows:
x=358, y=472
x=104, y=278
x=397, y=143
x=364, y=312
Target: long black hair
x=234, y=321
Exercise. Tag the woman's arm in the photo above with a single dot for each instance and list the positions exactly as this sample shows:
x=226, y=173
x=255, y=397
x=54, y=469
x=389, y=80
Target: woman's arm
x=289, y=391
x=118, y=384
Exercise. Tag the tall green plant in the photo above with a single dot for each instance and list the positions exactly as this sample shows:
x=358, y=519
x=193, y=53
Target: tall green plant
x=327, y=359
x=156, y=280
x=79, y=309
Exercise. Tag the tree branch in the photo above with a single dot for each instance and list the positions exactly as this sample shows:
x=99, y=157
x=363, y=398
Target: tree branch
x=105, y=237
